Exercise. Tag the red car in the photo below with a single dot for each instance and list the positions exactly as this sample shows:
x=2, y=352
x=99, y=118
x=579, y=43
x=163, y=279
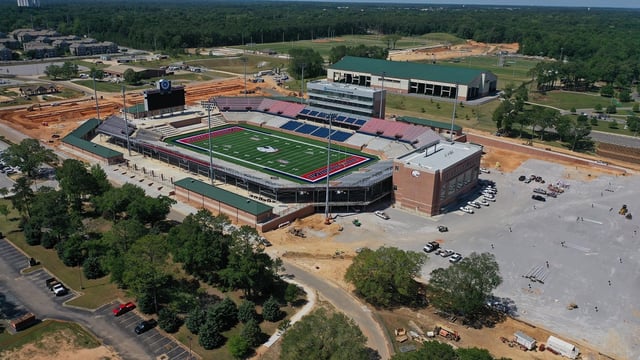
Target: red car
x=123, y=308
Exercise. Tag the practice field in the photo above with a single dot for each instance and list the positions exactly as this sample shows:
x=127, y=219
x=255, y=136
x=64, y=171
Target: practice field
x=298, y=158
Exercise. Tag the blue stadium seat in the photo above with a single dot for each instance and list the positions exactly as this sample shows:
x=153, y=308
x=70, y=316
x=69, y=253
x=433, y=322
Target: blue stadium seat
x=321, y=133
x=291, y=125
x=313, y=113
x=350, y=120
x=341, y=118
x=360, y=122
x=304, y=111
x=340, y=136
x=306, y=129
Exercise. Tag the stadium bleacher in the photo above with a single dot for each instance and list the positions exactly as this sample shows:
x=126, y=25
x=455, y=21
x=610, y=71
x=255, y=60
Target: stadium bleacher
x=291, y=125
x=307, y=129
x=340, y=136
x=321, y=133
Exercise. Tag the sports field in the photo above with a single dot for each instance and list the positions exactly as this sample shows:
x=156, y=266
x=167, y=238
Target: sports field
x=274, y=153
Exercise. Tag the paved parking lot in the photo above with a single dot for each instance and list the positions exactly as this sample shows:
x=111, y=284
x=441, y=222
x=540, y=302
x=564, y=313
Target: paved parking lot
x=154, y=342
x=592, y=251
x=28, y=293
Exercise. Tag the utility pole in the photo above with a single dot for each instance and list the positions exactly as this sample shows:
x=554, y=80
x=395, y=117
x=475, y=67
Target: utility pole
x=453, y=116
x=244, y=60
x=209, y=105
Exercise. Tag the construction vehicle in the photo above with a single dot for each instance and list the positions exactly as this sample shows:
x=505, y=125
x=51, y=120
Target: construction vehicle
x=356, y=222
x=623, y=210
x=446, y=333
x=401, y=335
x=297, y=232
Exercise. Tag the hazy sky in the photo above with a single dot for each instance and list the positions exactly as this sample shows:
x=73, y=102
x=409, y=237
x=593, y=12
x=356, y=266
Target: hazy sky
x=563, y=3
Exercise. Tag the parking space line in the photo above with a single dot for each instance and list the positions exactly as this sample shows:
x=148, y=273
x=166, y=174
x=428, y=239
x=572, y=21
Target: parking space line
x=181, y=350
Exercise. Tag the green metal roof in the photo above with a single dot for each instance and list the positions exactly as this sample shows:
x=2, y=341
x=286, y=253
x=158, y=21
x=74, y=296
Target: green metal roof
x=408, y=70
x=238, y=201
x=82, y=130
x=88, y=146
x=426, y=122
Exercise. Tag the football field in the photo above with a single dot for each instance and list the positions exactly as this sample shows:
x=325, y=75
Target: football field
x=274, y=153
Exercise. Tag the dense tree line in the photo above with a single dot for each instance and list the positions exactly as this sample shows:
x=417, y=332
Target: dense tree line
x=599, y=37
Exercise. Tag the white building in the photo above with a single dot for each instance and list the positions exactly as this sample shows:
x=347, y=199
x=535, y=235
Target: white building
x=28, y=3
x=352, y=99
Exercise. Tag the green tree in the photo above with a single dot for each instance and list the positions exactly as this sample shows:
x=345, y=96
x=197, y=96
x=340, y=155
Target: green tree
x=633, y=124
x=100, y=180
x=291, y=293
x=597, y=108
x=391, y=40
x=209, y=336
x=225, y=312
x=473, y=354
x=252, y=333
x=247, y=311
x=386, y=276
x=53, y=71
x=50, y=209
x=75, y=181
x=200, y=245
x=625, y=96
x=271, y=310
x=464, y=287
x=305, y=59
x=96, y=73
x=249, y=268
x=195, y=319
x=4, y=210
x=22, y=196
x=92, y=268
x=324, y=336
x=150, y=210
x=115, y=201
x=28, y=155
x=238, y=347
x=607, y=91
x=635, y=108
x=168, y=320
x=146, y=269
x=131, y=77
x=431, y=350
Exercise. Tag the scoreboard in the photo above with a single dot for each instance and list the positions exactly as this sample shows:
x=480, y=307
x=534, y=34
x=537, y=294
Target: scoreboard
x=164, y=97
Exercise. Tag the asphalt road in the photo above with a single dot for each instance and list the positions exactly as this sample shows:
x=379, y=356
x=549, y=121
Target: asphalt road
x=30, y=294
x=346, y=303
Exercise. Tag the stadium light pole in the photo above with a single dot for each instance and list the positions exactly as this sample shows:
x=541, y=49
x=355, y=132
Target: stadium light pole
x=244, y=60
x=453, y=116
x=209, y=105
x=95, y=95
x=326, y=200
x=302, y=66
x=126, y=124
x=382, y=94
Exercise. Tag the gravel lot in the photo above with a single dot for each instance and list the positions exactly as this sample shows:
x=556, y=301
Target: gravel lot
x=599, y=246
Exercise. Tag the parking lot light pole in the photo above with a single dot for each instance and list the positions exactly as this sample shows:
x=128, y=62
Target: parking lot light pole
x=209, y=105
x=326, y=205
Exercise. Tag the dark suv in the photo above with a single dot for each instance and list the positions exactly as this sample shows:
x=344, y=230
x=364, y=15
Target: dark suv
x=538, y=197
x=145, y=326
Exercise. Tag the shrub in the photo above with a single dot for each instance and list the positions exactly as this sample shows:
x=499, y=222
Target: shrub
x=168, y=320
x=48, y=240
x=32, y=234
x=145, y=303
x=238, y=347
x=225, y=313
x=252, y=333
x=291, y=293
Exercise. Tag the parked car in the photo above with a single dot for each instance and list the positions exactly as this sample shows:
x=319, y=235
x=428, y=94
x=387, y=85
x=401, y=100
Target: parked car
x=446, y=253
x=552, y=194
x=489, y=198
x=431, y=246
x=123, y=308
x=144, y=326
x=263, y=241
x=528, y=180
x=522, y=178
x=455, y=258
x=442, y=228
x=483, y=202
x=538, y=197
x=382, y=214
x=466, y=209
x=485, y=170
x=474, y=204
x=59, y=289
x=540, y=191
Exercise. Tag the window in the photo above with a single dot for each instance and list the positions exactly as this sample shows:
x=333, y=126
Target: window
x=397, y=168
x=395, y=187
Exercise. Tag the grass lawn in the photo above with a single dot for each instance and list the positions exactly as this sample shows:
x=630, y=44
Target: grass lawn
x=96, y=292
x=566, y=100
x=38, y=332
x=297, y=158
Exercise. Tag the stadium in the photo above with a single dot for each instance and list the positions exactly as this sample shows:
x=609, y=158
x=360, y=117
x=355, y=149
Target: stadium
x=291, y=154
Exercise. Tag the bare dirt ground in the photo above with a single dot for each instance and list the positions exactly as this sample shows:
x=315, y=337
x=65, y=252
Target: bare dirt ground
x=49, y=123
x=322, y=252
x=59, y=345
x=470, y=48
